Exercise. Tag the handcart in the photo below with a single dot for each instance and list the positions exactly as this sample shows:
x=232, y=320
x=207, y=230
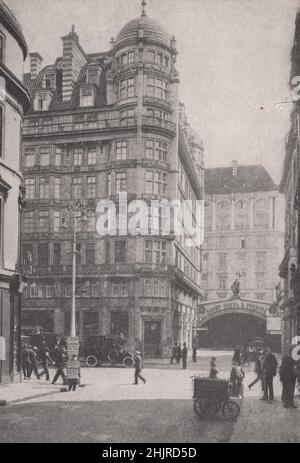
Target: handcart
x=211, y=396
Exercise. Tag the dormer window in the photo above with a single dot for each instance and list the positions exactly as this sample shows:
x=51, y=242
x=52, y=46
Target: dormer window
x=92, y=76
x=87, y=96
x=49, y=81
x=42, y=100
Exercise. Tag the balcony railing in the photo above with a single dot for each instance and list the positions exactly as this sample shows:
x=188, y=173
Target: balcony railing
x=66, y=127
x=161, y=123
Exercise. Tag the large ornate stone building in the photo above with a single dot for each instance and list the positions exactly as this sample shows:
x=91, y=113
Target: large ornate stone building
x=243, y=241
x=101, y=124
x=290, y=187
x=14, y=99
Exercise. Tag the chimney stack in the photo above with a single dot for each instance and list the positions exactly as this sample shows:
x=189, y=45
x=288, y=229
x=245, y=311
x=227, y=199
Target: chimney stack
x=35, y=64
x=74, y=59
x=235, y=165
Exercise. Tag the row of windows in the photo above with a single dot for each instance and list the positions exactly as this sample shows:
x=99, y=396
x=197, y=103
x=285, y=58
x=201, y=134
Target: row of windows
x=241, y=258
x=154, y=149
x=44, y=221
x=152, y=56
x=115, y=252
x=183, y=264
x=223, y=242
x=155, y=87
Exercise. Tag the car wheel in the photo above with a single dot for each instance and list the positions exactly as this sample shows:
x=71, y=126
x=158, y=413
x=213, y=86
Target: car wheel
x=91, y=361
x=128, y=362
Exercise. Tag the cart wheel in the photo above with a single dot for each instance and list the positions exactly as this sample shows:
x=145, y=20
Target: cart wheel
x=231, y=410
x=207, y=407
x=91, y=361
x=128, y=362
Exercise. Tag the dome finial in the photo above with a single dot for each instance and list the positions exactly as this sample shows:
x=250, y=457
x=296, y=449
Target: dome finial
x=144, y=4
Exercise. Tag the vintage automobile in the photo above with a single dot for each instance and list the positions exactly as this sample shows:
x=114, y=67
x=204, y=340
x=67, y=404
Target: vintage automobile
x=36, y=336
x=100, y=349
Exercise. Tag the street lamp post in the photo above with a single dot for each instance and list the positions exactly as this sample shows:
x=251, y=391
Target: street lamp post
x=74, y=212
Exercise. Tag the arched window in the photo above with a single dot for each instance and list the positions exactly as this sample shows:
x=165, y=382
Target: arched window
x=242, y=215
x=261, y=216
x=223, y=215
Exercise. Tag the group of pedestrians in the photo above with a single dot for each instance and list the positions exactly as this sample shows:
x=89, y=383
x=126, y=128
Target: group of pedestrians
x=266, y=369
x=32, y=357
x=179, y=354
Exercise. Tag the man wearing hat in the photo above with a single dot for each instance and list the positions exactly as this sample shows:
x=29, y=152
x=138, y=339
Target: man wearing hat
x=288, y=376
x=138, y=365
x=46, y=360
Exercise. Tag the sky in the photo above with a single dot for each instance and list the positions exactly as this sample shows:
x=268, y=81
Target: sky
x=233, y=63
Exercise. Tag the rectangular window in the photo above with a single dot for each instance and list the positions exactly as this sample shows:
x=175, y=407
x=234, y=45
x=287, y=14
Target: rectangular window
x=76, y=187
x=151, y=86
x=91, y=187
x=149, y=182
x=222, y=261
x=29, y=159
x=156, y=182
x=222, y=283
x=56, y=221
x=161, y=151
x=119, y=324
x=87, y=97
x=28, y=222
x=56, y=254
x=120, y=252
x=121, y=150
x=44, y=188
x=155, y=252
x=57, y=157
x=43, y=254
x=121, y=181
x=57, y=188
x=130, y=57
x=43, y=221
x=109, y=189
x=77, y=156
x=92, y=156
x=93, y=76
x=149, y=149
x=90, y=253
x=44, y=156
x=29, y=188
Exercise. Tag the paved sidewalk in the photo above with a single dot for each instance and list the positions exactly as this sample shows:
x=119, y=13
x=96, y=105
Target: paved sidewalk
x=263, y=422
x=13, y=393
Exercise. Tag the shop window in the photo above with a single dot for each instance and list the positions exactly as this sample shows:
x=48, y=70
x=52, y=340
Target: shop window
x=119, y=323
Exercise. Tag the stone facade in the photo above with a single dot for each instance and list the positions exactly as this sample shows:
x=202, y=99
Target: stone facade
x=243, y=233
x=289, y=268
x=14, y=99
x=103, y=124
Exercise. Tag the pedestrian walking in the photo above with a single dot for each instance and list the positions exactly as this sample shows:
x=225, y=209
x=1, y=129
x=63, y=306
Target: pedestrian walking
x=138, y=366
x=194, y=355
x=258, y=371
x=33, y=351
x=237, y=376
x=213, y=373
x=26, y=362
x=288, y=376
x=269, y=371
x=184, y=355
x=173, y=352
x=46, y=361
x=178, y=353
x=60, y=365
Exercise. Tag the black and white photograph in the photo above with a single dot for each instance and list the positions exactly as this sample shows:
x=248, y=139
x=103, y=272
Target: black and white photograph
x=149, y=224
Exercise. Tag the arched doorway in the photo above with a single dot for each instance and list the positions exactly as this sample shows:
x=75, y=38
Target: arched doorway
x=230, y=330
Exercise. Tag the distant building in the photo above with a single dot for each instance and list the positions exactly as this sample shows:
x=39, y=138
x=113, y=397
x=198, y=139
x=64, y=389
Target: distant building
x=14, y=99
x=101, y=124
x=290, y=187
x=243, y=240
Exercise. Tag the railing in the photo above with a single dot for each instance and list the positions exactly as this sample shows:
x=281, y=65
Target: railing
x=161, y=123
x=65, y=127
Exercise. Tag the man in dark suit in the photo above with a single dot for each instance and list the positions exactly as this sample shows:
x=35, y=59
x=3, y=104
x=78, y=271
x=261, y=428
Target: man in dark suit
x=288, y=376
x=138, y=366
x=184, y=355
x=269, y=371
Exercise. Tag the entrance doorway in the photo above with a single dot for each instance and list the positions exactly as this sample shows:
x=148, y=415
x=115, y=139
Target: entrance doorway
x=152, y=339
x=231, y=330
